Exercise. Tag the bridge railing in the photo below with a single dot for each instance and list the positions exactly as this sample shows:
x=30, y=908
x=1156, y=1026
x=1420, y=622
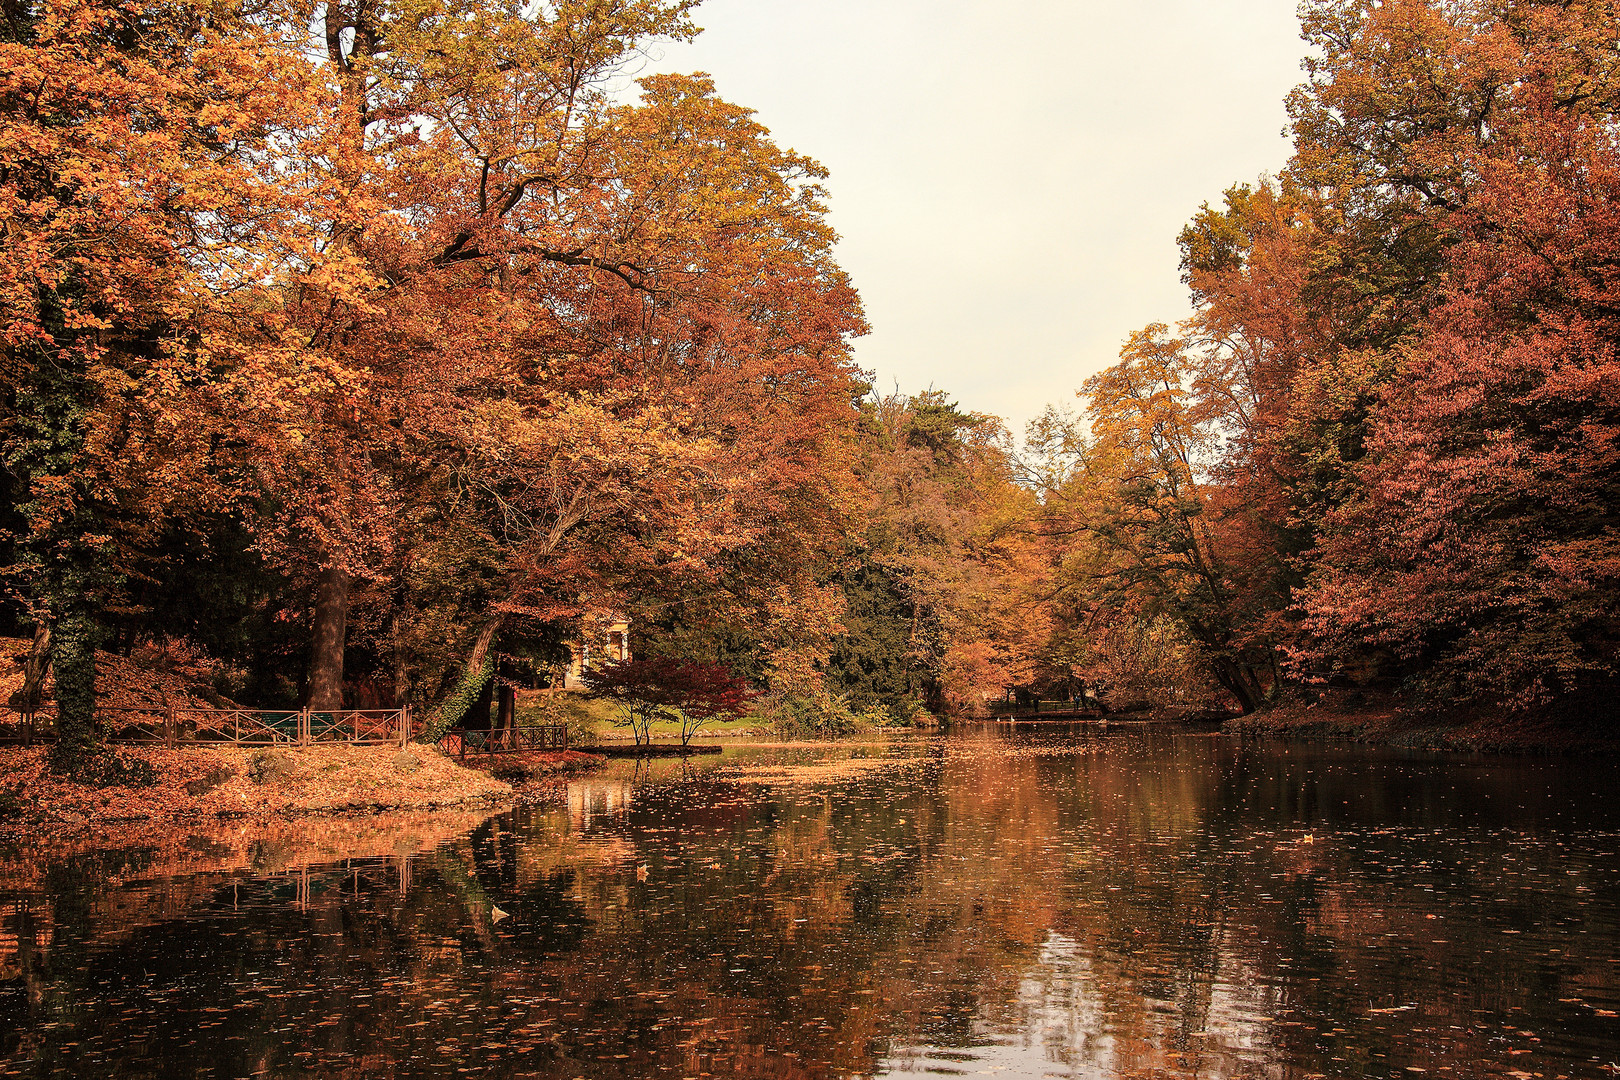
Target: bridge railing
x=459, y=742
x=1066, y=706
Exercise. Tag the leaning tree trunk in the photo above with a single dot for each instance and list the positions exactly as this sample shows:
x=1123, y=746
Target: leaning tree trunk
x=486, y=637
x=32, y=692
x=1241, y=681
x=327, y=638
x=477, y=671
x=74, y=652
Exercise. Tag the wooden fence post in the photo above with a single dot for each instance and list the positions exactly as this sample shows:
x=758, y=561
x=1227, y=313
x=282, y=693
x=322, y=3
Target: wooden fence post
x=168, y=726
x=303, y=726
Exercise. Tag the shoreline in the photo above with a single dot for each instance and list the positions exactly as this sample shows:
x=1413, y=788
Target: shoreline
x=1545, y=732
x=166, y=786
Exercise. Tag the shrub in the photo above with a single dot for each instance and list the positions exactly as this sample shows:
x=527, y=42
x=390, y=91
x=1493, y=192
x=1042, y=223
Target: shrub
x=574, y=710
x=903, y=712
x=107, y=768
x=513, y=772
x=815, y=714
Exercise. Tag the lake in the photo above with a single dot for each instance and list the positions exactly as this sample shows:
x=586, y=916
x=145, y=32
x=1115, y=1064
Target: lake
x=1046, y=901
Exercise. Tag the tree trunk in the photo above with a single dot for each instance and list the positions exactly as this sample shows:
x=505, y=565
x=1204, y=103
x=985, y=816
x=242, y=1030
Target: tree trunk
x=506, y=715
x=32, y=692
x=402, y=673
x=75, y=659
x=327, y=637
x=1239, y=679
x=481, y=643
x=474, y=676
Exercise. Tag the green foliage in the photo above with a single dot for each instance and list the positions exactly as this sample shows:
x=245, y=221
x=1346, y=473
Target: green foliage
x=1217, y=241
x=74, y=658
x=62, y=552
x=461, y=699
x=582, y=715
x=936, y=424
x=870, y=663
x=815, y=714
x=873, y=664
x=107, y=768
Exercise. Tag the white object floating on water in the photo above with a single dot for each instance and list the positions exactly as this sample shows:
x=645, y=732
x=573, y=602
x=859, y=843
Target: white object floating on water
x=496, y=914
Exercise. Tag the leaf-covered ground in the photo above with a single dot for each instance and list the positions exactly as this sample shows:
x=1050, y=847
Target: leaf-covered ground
x=263, y=845
x=151, y=676
x=232, y=781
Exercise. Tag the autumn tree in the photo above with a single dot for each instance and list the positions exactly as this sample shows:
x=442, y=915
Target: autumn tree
x=1136, y=518
x=128, y=171
x=404, y=322
x=675, y=433
x=1393, y=363
x=1477, y=553
x=940, y=612
x=457, y=156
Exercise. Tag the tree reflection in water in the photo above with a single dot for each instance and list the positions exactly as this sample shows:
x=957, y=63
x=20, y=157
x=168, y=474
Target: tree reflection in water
x=1071, y=904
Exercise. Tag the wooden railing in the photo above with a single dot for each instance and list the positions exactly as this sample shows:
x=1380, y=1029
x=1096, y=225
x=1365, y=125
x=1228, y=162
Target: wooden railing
x=1062, y=706
x=187, y=726
x=460, y=741
x=27, y=726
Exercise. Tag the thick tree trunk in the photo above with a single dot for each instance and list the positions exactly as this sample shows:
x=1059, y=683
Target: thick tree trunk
x=74, y=655
x=1240, y=680
x=327, y=637
x=506, y=714
x=31, y=694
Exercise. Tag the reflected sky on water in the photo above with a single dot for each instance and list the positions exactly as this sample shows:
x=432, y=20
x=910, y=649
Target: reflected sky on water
x=1045, y=902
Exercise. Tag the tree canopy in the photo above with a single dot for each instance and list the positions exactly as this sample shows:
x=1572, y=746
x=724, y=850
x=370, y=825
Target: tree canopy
x=355, y=343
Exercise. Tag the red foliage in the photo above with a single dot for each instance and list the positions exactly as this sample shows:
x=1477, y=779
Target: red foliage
x=1484, y=540
x=690, y=691
x=702, y=690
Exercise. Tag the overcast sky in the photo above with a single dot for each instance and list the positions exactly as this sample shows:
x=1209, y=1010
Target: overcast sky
x=1008, y=178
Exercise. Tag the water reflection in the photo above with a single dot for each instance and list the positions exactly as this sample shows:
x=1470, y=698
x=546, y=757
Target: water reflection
x=1068, y=904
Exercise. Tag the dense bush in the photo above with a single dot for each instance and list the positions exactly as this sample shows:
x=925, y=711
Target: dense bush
x=107, y=768
x=816, y=715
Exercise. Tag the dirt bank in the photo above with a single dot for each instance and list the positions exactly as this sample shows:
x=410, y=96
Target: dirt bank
x=153, y=784
x=536, y=774
x=1576, y=727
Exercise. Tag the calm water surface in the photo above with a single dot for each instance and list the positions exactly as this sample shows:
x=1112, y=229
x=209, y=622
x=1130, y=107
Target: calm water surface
x=1065, y=903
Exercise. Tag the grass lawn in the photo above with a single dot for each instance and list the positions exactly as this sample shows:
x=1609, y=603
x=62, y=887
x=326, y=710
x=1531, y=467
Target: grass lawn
x=589, y=720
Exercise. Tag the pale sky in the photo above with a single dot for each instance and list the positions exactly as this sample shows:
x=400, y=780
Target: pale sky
x=1008, y=178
